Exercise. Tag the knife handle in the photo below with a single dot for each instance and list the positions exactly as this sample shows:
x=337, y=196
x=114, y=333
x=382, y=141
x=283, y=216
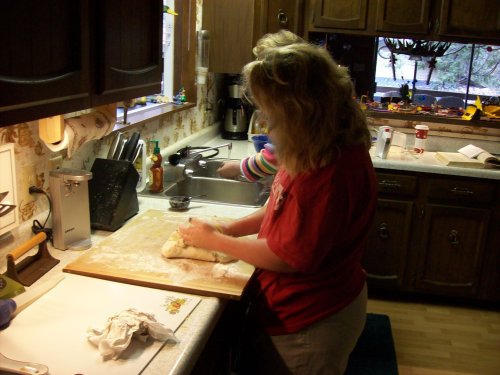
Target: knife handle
x=114, y=145
x=128, y=151
x=137, y=151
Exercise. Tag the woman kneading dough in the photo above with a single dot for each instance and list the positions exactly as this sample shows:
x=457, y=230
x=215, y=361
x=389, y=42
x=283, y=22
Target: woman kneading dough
x=310, y=304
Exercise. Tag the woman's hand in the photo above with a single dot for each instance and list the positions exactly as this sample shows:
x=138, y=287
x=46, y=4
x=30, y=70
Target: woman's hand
x=253, y=251
x=197, y=232
x=229, y=169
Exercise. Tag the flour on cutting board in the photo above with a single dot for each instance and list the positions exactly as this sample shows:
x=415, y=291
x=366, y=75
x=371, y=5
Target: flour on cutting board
x=133, y=254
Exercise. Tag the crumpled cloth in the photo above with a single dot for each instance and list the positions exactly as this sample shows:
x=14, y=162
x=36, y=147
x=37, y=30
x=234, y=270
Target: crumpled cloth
x=116, y=335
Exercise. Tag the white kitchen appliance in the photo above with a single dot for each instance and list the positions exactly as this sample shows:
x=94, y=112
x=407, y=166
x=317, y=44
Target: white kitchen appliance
x=71, y=214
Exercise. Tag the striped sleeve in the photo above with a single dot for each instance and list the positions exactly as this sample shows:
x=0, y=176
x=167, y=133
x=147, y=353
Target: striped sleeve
x=258, y=166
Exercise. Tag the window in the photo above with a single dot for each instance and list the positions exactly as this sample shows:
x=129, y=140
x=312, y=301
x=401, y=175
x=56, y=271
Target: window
x=463, y=70
x=167, y=88
x=179, y=50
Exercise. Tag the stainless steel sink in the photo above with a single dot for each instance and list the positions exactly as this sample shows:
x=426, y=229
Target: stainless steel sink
x=209, y=168
x=206, y=185
x=221, y=190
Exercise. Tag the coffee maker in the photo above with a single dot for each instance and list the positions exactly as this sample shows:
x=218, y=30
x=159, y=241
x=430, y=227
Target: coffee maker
x=235, y=120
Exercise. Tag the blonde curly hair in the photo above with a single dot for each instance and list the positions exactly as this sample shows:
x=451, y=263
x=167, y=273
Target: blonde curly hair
x=279, y=39
x=309, y=101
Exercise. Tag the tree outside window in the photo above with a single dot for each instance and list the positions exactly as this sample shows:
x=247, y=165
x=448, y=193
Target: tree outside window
x=464, y=70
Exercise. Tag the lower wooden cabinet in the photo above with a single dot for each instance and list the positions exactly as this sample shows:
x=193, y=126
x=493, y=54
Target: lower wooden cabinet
x=388, y=244
x=452, y=247
x=435, y=235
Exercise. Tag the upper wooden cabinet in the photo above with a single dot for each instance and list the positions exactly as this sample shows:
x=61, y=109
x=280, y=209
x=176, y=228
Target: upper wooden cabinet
x=45, y=58
x=403, y=16
x=342, y=14
x=129, y=56
x=454, y=20
x=232, y=33
x=470, y=18
x=282, y=14
x=61, y=56
x=234, y=30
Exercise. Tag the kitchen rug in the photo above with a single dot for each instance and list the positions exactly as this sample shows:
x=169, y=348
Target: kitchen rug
x=374, y=353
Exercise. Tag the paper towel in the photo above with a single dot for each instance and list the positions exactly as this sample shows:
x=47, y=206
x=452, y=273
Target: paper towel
x=82, y=129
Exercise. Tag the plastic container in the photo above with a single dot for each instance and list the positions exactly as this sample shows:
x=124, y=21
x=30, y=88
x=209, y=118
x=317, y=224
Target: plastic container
x=421, y=133
x=259, y=141
x=156, y=171
x=258, y=125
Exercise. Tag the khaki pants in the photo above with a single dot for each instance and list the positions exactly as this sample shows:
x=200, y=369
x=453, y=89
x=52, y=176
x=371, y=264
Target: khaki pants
x=322, y=348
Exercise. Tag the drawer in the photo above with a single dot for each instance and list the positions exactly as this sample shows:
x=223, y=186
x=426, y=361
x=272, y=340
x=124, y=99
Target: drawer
x=461, y=191
x=389, y=183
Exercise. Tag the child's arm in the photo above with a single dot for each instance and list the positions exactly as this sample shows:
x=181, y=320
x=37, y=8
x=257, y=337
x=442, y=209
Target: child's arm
x=259, y=165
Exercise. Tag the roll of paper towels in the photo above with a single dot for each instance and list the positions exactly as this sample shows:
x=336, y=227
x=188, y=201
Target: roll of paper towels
x=82, y=129
x=68, y=138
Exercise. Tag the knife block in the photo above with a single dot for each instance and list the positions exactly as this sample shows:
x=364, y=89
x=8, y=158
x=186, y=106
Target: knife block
x=112, y=193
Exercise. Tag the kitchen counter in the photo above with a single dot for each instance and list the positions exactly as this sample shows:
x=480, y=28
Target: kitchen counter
x=172, y=358
x=397, y=159
x=400, y=159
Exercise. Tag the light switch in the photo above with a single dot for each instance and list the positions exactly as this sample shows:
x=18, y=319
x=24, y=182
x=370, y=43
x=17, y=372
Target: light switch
x=8, y=185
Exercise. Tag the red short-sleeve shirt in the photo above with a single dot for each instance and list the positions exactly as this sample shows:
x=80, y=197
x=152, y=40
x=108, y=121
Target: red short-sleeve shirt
x=318, y=224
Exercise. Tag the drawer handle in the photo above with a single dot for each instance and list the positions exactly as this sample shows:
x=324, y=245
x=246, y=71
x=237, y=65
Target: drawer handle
x=455, y=285
x=381, y=277
x=390, y=184
x=454, y=238
x=383, y=231
x=462, y=191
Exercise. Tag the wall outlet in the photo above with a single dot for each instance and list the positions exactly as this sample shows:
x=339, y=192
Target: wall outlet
x=55, y=163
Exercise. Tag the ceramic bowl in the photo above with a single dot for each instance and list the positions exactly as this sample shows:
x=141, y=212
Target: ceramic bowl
x=179, y=203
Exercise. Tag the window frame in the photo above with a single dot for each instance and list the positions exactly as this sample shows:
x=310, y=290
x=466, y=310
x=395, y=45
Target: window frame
x=185, y=48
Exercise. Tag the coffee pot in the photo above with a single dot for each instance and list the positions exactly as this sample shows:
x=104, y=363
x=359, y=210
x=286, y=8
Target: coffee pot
x=235, y=120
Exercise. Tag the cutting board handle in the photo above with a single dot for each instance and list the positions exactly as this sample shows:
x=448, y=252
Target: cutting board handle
x=28, y=245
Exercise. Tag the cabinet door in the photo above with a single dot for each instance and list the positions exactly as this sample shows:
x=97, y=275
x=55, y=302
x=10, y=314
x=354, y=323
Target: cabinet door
x=403, y=16
x=452, y=246
x=44, y=68
x=231, y=30
x=128, y=38
x=388, y=242
x=470, y=18
x=341, y=14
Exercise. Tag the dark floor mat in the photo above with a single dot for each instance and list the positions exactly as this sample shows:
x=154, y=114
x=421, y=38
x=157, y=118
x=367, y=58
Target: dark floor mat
x=374, y=353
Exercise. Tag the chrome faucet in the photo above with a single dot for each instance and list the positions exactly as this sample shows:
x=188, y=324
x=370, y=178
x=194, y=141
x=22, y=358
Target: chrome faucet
x=188, y=153
x=183, y=163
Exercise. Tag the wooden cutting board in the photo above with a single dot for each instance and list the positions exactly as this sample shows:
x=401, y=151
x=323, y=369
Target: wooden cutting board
x=133, y=255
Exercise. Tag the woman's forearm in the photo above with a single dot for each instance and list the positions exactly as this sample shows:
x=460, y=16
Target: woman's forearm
x=246, y=225
x=252, y=251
